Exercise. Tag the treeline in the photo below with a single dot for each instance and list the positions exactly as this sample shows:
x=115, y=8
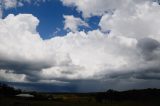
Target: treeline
x=6, y=90
x=136, y=95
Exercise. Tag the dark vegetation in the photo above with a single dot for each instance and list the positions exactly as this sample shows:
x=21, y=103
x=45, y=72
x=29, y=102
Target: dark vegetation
x=143, y=97
x=6, y=90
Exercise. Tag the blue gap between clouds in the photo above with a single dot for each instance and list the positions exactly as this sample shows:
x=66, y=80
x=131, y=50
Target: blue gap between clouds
x=51, y=18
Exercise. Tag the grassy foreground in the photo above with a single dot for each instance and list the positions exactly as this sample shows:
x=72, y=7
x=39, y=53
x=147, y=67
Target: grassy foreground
x=12, y=101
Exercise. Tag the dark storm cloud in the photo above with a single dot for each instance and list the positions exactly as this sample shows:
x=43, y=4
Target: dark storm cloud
x=142, y=74
x=90, y=85
x=22, y=66
x=148, y=74
x=44, y=87
x=29, y=68
x=147, y=47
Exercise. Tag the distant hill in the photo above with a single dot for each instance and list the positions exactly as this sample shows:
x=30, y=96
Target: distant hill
x=6, y=90
x=136, y=95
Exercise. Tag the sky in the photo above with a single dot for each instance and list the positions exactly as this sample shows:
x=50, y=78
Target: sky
x=80, y=45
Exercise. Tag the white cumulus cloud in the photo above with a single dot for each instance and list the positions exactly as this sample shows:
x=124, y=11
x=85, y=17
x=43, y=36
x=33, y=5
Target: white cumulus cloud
x=100, y=7
x=73, y=23
x=8, y=4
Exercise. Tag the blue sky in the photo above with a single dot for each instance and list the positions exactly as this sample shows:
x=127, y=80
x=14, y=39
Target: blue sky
x=50, y=15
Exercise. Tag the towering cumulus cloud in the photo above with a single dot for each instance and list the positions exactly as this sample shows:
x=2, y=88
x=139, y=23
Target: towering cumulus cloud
x=127, y=57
